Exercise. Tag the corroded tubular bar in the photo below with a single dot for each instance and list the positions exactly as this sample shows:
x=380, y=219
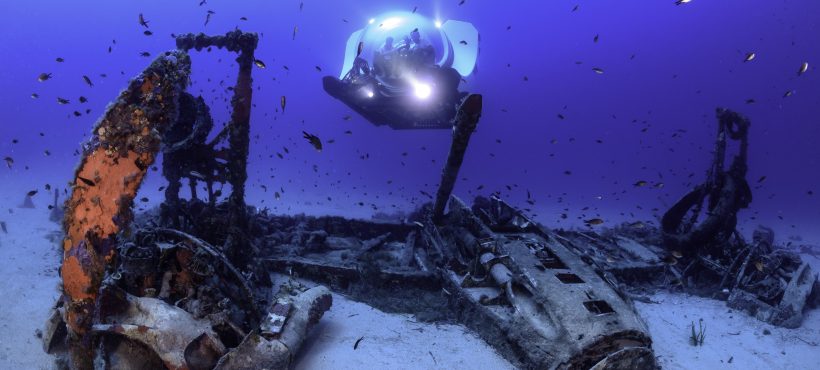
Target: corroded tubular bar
x=235, y=41
x=465, y=123
x=239, y=138
x=115, y=161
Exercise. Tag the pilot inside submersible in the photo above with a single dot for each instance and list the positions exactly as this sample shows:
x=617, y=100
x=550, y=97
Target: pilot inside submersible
x=404, y=71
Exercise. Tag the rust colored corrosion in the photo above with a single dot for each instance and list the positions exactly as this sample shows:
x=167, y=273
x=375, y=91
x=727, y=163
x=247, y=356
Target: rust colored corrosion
x=123, y=146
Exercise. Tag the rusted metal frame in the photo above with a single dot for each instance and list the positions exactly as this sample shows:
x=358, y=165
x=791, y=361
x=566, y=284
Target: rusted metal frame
x=244, y=44
x=238, y=130
x=727, y=190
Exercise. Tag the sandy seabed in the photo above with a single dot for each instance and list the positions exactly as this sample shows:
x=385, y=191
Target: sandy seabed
x=29, y=280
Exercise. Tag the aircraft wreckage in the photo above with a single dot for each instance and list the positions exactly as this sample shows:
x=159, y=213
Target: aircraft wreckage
x=189, y=286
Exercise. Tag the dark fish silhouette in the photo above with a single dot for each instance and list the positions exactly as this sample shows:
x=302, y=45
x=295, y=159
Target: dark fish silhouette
x=313, y=140
x=142, y=21
x=208, y=17
x=86, y=181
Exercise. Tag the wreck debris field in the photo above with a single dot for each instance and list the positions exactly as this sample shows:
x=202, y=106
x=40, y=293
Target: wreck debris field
x=425, y=184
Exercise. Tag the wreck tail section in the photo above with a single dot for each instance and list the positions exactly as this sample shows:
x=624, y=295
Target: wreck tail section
x=115, y=161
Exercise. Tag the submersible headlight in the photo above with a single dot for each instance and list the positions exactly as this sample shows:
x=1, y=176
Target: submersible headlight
x=422, y=90
x=367, y=91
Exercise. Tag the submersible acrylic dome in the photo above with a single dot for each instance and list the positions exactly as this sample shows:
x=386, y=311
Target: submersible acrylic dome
x=455, y=42
x=413, y=83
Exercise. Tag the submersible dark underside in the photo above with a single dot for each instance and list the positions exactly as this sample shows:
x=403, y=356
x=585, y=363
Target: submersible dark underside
x=189, y=286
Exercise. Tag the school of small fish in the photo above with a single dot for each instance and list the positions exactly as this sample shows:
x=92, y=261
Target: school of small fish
x=585, y=214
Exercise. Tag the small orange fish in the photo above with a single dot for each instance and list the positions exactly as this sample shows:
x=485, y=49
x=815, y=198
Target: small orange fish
x=594, y=221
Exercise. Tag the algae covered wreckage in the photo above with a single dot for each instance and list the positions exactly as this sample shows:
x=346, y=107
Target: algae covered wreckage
x=190, y=287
